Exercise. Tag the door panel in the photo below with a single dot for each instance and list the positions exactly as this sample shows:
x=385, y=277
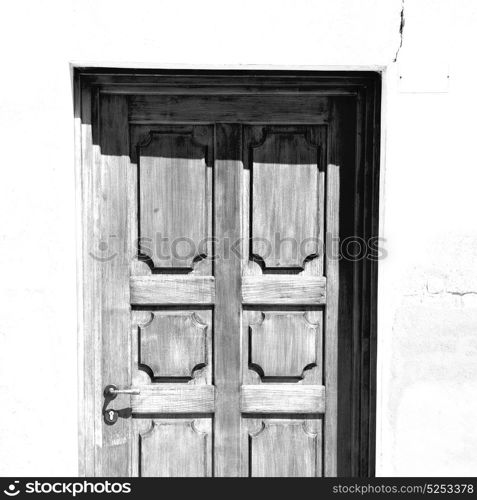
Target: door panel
x=174, y=183
x=284, y=199
x=174, y=345
x=176, y=448
x=112, y=338
x=285, y=448
x=173, y=198
x=284, y=345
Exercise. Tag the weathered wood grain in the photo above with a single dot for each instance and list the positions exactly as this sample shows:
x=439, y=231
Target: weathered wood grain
x=229, y=108
x=172, y=290
x=174, y=398
x=331, y=330
x=171, y=213
x=286, y=448
x=283, y=290
x=285, y=199
x=172, y=345
x=283, y=344
x=245, y=82
x=177, y=448
x=227, y=317
x=173, y=198
x=282, y=398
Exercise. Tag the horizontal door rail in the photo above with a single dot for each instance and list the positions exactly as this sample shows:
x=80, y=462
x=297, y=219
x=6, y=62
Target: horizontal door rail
x=176, y=398
x=282, y=398
x=281, y=289
x=170, y=290
x=294, y=108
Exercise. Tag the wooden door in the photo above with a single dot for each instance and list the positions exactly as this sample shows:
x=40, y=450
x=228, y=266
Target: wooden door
x=218, y=285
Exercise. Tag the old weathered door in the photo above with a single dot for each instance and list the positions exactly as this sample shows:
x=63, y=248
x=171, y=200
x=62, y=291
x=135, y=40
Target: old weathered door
x=213, y=220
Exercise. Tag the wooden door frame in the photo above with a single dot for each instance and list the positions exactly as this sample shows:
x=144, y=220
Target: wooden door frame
x=365, y=87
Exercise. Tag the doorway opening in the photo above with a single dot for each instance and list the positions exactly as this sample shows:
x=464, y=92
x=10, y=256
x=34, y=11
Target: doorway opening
x=234, y=359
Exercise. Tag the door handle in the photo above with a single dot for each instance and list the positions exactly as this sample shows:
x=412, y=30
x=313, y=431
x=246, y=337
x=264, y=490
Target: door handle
x=112, y=391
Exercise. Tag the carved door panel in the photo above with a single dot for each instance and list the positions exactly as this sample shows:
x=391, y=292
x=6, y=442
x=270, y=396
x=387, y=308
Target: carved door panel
x=218, y=324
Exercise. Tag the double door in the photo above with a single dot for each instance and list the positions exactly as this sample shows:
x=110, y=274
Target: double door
x=216, y=271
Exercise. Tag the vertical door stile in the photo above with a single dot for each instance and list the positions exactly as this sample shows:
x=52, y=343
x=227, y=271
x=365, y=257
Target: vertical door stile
x=91, y=412
x=114, y=266
x=227, y=313
x=331, y=322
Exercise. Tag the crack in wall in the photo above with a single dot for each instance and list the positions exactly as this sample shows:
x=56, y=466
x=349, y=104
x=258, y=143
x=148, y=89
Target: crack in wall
x=401, y=31
x=460, y=294
x=442, y=293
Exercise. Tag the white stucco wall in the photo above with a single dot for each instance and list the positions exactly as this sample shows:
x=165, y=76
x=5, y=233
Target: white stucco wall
x=427, y=375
